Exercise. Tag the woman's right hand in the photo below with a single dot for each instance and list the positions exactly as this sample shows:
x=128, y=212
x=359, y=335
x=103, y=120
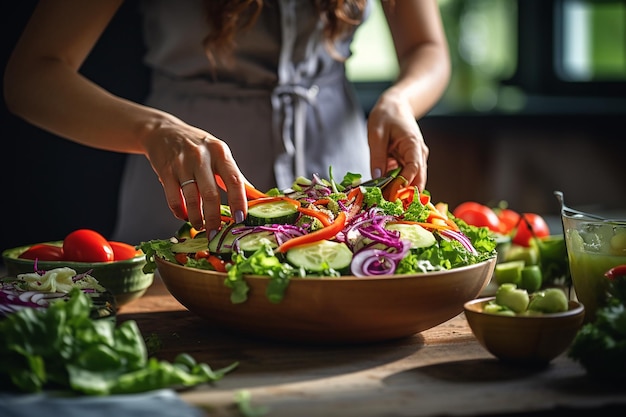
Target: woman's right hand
x=186, y=159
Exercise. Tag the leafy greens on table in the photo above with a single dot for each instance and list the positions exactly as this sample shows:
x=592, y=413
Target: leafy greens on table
x=62, y=348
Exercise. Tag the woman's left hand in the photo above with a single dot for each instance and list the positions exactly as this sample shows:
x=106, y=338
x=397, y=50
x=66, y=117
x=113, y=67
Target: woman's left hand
x=395, y=140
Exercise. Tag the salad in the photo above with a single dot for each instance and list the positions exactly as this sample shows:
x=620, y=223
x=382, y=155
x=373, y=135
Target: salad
x=321, y=227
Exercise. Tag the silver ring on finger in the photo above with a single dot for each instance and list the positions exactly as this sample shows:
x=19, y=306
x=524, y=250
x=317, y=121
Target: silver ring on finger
x=191, y=181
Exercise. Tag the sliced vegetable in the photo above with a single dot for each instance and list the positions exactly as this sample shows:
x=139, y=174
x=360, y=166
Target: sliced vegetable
x=326, y=233
x=191, y=245
x=321, y=256
x=392, y=189
x=222, y=242
x=252, y=241
x=273, y=211
x=509, y=272
x=414, y=233
x=251, y=192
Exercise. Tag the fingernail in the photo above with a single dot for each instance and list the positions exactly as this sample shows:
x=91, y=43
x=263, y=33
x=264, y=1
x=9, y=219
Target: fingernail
x=239, y=216
x=377, y=173
x=212, y=234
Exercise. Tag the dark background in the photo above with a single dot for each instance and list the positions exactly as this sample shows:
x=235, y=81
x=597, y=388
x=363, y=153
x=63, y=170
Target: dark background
x=574, y=144
x=52, y=186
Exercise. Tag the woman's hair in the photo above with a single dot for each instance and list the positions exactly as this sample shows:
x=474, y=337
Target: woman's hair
x=226, y=17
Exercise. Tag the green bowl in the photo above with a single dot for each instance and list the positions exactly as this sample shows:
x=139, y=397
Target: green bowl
x=124, y=279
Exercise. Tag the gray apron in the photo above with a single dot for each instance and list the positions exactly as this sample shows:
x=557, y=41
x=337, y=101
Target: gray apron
x=285, y=107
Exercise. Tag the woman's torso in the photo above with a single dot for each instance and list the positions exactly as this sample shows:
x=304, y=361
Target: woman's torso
x=285, y=107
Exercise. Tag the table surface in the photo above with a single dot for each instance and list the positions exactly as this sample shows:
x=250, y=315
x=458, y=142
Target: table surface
x=441, y=371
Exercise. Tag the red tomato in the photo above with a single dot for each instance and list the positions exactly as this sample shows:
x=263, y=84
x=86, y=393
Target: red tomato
x=216, y=262
x=85, y=245
x=477, y=214
x=123, y=251
x=181, y=258
x=530, y=225
x=508, y=220
x=43, y=252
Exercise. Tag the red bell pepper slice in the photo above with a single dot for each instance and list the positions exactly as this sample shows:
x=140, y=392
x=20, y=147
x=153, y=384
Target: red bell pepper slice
x=320, y=234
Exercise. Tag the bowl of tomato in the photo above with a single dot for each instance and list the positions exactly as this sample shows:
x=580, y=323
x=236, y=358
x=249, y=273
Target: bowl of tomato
x=117, y=266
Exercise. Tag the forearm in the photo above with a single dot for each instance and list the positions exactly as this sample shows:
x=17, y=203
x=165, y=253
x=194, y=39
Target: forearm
x=422, y=50
x=54, y=97
x=423, y=77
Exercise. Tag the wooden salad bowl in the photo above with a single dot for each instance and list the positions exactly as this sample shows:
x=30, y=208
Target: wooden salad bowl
x=330, y=310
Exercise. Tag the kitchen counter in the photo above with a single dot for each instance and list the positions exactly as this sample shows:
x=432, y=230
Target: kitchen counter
x=442, y=371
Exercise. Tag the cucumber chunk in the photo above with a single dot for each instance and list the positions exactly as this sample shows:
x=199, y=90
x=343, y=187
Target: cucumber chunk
x=509, y=272
x=414, y=233
x=274, y=212
x=320, y=255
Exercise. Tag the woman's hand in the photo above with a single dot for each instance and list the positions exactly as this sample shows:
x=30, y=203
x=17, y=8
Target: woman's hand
x=186, y=159
x=424, y=70
x=395, y=140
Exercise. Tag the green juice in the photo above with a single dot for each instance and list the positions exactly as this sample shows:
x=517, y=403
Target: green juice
x=593, y=247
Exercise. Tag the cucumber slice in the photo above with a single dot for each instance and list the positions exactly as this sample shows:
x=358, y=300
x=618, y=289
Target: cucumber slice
x=223, y=240
x=414, y=233
x=251, y=242
x=191, y=245
x=313, y=256
x=274, y=212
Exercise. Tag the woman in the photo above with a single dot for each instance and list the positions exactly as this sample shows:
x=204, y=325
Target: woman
x=246, y=89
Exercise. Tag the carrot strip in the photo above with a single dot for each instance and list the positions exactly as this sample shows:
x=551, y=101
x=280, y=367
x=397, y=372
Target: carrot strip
x=321, y=234
x=426, y=225
x=266, y=199
x=320, y=215
x=356, y=195
x=322, y=202
x=251, y=192
x=390, y=192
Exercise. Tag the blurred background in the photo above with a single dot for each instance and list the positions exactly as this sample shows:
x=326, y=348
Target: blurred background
x=536, y=104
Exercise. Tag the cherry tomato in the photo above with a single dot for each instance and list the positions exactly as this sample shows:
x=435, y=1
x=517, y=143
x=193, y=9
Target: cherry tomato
x=216, y=262
x=181, y=258
x=508, y=220
x=123, y=251
x=43, y=252
x=85, y=245
x=477, y=214
x=530, y=225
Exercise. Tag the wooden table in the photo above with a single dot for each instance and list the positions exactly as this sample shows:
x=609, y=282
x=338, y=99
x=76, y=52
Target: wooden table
x=442, y=371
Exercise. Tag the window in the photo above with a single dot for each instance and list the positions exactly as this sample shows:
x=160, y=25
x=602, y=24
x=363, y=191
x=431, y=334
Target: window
x=592, y=40
x=513, y=56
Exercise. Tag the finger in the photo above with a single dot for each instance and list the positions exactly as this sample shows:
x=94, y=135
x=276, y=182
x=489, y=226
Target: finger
x=209, y=208
x=174, y=197
x=192, y=202
x=226, y=168
x=413, y=160
x=378, y=144
x=234, y=182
